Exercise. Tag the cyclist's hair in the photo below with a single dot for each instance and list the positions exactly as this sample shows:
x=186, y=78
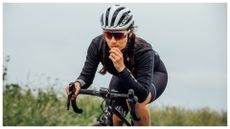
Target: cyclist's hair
x=131, y=42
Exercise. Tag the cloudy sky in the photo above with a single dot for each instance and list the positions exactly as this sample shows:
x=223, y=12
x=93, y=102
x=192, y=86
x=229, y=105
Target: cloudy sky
x=51, y=40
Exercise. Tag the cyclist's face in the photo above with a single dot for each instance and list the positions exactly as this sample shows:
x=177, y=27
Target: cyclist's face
x=117, y=39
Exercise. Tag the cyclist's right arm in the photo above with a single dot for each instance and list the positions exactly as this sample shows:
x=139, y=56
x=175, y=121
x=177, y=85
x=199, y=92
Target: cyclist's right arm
x=87, y=74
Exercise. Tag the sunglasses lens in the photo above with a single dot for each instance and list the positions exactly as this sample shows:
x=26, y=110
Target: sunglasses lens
x=116, y=35
x=119, y=36
x=108, y=35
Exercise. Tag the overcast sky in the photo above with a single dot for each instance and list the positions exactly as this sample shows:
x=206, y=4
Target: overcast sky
x=51, y=40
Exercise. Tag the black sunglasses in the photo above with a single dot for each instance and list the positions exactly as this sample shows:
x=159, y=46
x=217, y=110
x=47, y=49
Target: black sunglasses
x=117, y=35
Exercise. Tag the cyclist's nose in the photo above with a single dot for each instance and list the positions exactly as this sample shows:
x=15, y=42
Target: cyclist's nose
x=113, y=40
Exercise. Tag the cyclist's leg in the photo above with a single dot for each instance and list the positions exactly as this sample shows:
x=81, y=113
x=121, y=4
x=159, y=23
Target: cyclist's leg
x=158, y=86
x=160, y=79
x=119, y=104
x=142, y=111
x=116, y=120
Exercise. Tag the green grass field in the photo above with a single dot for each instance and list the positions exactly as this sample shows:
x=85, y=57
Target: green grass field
x=21, y=107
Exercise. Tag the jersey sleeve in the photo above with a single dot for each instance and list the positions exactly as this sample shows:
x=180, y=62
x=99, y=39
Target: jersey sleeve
x=87, y=74
x=141, y=83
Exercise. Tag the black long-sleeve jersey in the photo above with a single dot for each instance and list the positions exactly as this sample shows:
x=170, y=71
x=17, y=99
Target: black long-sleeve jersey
x=146, y=63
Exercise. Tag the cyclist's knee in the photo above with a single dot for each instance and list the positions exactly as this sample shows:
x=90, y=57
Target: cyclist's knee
x=147, y=100
x=142, y=104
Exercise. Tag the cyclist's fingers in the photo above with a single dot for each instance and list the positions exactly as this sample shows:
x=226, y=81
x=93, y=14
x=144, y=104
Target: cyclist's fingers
x=116, y=55
x=116, y=51
x=76, y=92
x=67, y=90
x=72, y=97
x=112, y=57
x=112, y=51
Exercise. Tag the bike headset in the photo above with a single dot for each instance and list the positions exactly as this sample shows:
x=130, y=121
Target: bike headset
x=116, y=18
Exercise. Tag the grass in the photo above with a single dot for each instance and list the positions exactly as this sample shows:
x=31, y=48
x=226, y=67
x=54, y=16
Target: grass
x=22, y=107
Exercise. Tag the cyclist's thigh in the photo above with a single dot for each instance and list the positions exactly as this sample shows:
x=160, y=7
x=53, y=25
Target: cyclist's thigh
x=159, y=84
x=119, y=104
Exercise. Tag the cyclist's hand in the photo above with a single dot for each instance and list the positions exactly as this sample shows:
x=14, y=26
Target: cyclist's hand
x=117, y=58
x=77, y=89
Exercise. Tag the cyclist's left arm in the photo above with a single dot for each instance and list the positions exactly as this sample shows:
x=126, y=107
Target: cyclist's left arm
x=144, y=64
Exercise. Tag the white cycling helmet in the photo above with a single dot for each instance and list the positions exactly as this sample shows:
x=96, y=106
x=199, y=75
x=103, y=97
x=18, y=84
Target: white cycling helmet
x=117, y=17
